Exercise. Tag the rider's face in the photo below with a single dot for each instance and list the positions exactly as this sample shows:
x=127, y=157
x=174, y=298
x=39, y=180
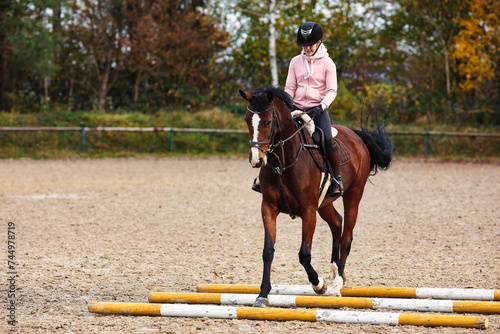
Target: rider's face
x=309, y=50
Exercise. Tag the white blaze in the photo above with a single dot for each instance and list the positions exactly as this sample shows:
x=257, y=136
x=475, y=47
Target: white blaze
x=255, y=150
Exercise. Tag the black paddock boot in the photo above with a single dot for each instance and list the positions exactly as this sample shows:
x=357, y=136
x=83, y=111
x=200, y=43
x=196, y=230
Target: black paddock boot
x=256, y=185
x=333, y=155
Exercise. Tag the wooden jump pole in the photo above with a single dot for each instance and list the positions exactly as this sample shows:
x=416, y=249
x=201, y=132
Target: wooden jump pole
x=381, y=292
x=271, y=313
x=330, y=302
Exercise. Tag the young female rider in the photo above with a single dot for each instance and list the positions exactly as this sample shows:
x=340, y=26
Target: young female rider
x=312, y=82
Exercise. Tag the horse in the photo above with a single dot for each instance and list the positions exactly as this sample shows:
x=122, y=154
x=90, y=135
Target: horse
x=290, y=182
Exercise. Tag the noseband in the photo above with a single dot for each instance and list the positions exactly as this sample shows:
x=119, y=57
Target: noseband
x=270, y=140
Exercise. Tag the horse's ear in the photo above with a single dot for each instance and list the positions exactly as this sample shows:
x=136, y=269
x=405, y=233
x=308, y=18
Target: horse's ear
x=245, y=95
x=269, y=96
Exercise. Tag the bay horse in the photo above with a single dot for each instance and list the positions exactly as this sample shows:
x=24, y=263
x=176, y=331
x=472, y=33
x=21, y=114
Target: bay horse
x=290, y=182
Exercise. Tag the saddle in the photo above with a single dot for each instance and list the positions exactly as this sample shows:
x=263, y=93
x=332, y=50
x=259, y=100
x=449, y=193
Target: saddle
x=315, y=146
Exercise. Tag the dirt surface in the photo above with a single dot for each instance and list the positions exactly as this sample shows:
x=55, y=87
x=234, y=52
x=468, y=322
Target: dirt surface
x=117, y=229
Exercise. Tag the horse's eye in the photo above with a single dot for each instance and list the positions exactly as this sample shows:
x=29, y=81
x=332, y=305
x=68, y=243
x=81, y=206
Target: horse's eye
x=268, y=123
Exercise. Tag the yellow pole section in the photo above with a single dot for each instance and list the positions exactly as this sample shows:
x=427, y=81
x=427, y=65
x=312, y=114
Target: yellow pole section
x=440, y=320
x=374, y=291
x=333, y=302
x=272, y=313
x=346, y=291
x=477, y=307
x=229, y=288
x=125, y=308
x=187, y=297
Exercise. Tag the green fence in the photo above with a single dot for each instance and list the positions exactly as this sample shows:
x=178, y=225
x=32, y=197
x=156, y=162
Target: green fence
x=422, y=141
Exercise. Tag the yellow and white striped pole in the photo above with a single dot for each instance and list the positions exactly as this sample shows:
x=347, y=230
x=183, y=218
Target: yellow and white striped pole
x=368, y=291
x=425, y=305
x=271, y=313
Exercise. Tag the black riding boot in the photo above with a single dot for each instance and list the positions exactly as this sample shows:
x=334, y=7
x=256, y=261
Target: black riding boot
x=333, y=155
x=256, y=185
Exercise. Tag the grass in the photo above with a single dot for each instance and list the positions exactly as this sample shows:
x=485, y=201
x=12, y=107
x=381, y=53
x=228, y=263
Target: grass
x=41, y=145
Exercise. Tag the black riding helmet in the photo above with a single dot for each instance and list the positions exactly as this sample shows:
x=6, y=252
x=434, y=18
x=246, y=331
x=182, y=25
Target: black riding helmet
x=309, y=33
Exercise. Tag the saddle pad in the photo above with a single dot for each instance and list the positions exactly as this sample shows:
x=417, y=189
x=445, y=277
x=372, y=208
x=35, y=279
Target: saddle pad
x=316, y=153
x=345, y=156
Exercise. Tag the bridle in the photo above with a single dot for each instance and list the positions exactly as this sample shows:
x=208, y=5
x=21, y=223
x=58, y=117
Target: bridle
x=270, y=139
x=279, y=170
x=272, y=145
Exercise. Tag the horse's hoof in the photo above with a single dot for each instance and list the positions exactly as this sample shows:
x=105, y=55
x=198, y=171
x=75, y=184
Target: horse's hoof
x=338, y=283
x=321, y=288
x=261, y=302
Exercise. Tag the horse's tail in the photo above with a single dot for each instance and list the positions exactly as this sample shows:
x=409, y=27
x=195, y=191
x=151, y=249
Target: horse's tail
x=379, y=145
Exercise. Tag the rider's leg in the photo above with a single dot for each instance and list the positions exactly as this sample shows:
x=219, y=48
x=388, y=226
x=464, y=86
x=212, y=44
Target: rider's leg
x=332, y=152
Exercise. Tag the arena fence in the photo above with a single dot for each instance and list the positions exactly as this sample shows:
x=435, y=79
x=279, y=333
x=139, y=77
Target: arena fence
x=83, y=130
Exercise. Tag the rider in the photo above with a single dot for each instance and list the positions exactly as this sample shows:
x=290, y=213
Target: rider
x=312, y=82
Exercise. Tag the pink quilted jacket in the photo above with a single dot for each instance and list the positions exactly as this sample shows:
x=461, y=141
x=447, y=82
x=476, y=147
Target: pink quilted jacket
x=312, y=80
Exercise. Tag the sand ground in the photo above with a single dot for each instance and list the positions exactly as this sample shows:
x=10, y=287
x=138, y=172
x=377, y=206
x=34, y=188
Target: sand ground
x=117, y=229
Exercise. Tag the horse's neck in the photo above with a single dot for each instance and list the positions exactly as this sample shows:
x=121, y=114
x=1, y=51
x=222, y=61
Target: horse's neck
x=288, y=134
x=287, y=126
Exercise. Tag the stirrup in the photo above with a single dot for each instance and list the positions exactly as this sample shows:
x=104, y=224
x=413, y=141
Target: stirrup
x=337, y=189
x=256, y=186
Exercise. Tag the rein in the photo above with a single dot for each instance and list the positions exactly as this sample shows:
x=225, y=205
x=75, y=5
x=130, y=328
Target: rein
x=279, y=170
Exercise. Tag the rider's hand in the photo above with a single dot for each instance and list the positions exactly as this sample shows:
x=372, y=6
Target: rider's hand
x=315, y=111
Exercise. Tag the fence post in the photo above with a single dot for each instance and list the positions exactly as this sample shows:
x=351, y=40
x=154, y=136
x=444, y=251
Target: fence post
x=171, y=140
x=427, y=143
x=83, y=138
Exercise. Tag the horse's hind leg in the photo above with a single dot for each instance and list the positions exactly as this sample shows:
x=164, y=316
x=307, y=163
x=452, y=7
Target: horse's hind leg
x=308, y=227
x=334, y=221
x=351, y=205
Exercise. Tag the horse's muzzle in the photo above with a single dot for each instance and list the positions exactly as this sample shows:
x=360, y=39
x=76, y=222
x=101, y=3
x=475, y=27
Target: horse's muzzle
x=257, y=164
x=257, y=157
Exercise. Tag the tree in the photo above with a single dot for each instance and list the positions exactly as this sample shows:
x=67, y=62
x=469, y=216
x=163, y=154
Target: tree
x=26, y=50
x=272, y=43
x=97, y=30
x=170, y=46
x=425, y=28
x=252, y=52
x=476, y=50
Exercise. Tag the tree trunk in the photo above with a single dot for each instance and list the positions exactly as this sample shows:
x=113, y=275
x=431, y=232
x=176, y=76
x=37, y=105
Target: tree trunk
x=71, y=88
x=56, y=34
x=137, y=83
x=447, y=69
x=4, y=76
x=103, y=91
x=272, y=43
x=3, y=81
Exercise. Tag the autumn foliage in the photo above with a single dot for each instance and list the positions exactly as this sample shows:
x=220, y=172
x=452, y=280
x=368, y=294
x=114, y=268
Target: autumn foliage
x=416, y=60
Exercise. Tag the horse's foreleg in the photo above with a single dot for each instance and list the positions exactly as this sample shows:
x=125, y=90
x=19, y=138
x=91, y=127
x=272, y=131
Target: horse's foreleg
x=308, y=227
x=269, y=219
x=334, y=221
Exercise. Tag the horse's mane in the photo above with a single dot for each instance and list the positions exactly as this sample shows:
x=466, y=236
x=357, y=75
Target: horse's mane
x=260, y=103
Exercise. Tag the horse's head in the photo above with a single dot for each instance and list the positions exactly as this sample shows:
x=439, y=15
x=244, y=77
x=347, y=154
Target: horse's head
x=261, y=121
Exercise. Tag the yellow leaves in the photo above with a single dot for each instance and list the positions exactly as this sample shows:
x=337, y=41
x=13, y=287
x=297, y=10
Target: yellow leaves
x=475, y=45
